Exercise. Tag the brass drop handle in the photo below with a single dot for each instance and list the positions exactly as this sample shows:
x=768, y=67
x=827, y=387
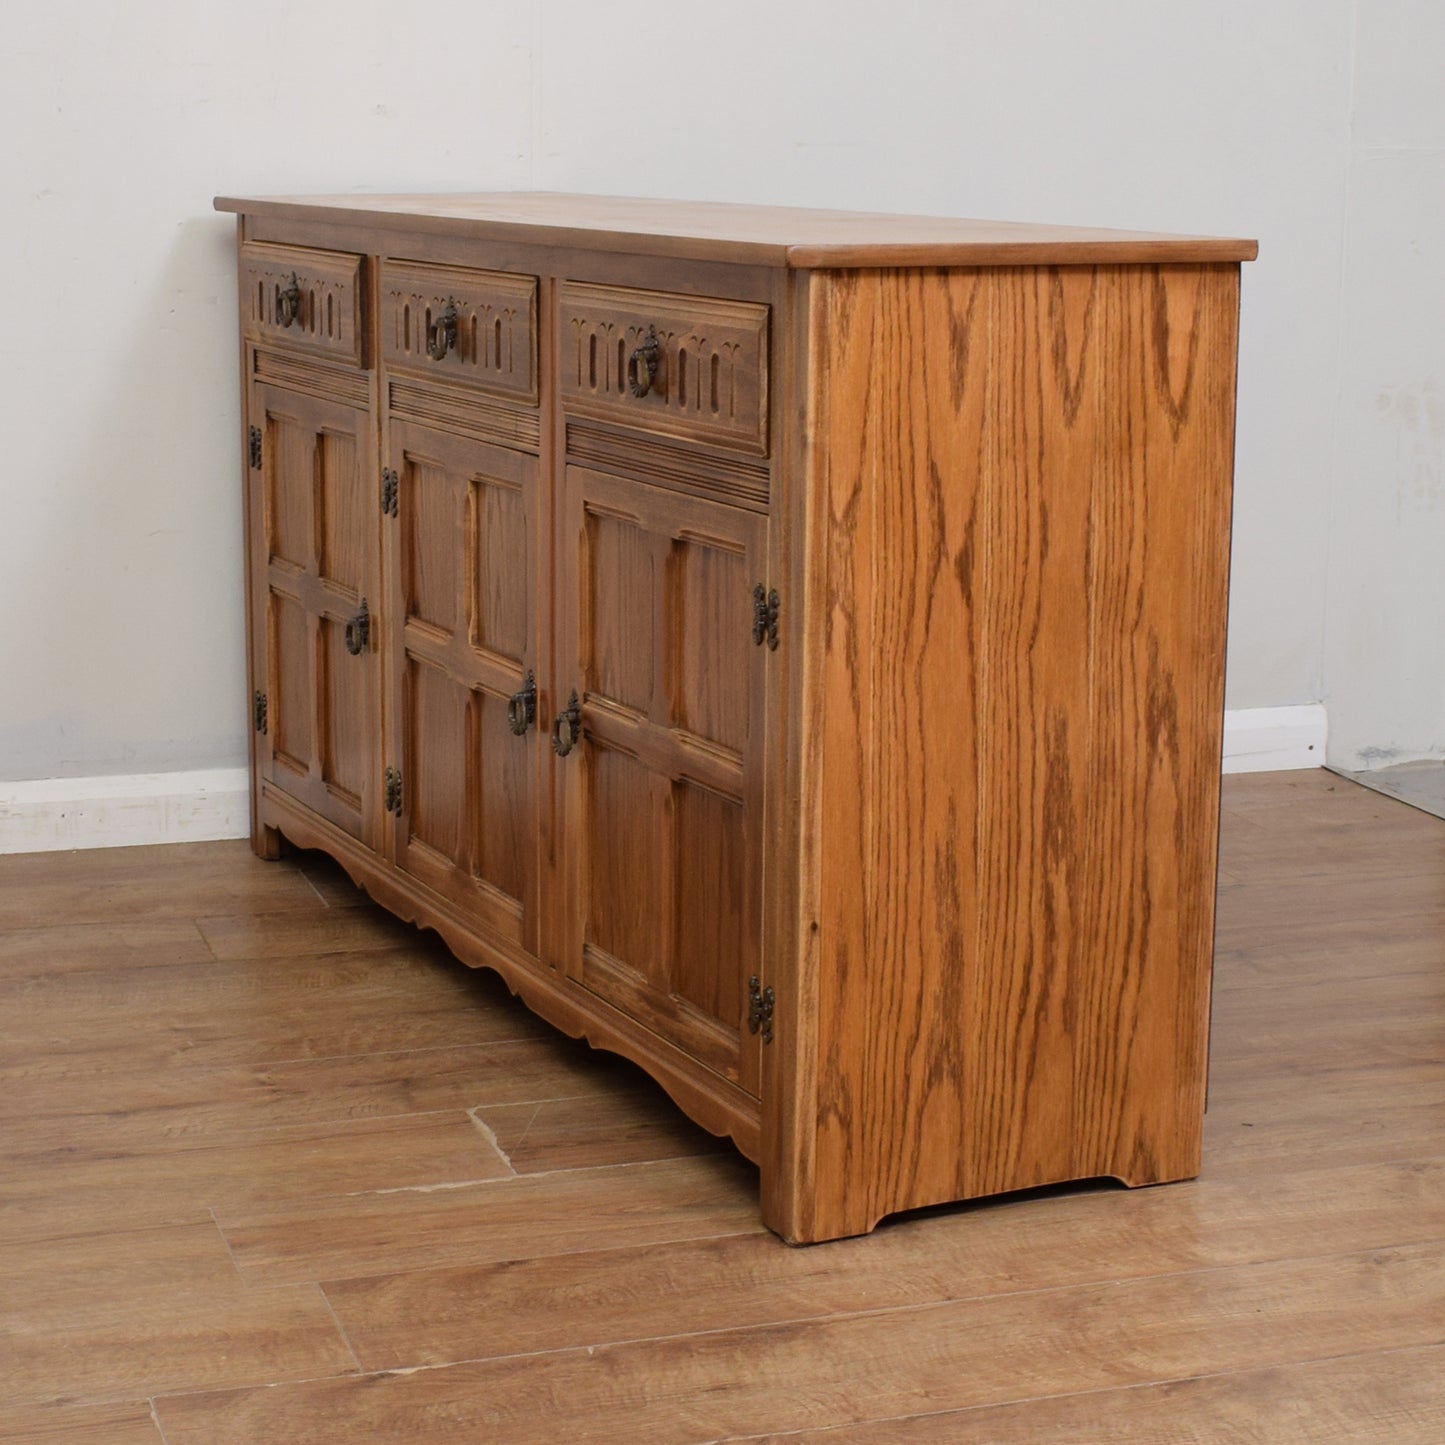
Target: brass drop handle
x=567, y=727
x=522, y=707
x=643, y=363
x=358, y=631
x=441, y=332
x=288, y=301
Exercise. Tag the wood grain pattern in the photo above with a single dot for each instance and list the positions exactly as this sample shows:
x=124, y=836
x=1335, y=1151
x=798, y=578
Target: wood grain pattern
x=1397, y=1396
x=316, y=563
x=759, y=235
x=459, y=568
x=872, y=1366
x=1012, y=669
x=999, y=516
x=743, y=1281
x=331, y=299
x=662, y=813
x=623, y=1125
x=1273, y=1298
x=377, y=1233
x=711, y=378
x=119, y=1424
x=495, y=345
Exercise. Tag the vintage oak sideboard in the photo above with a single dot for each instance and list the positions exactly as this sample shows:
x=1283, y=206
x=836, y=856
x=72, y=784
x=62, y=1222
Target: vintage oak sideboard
x=787, y=646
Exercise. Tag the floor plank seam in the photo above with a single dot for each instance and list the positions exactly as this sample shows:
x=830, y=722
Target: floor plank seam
x=230, y=1253
x=489, y=1134
x=156, y=1419
x=341, y=1330
x=441, y=1187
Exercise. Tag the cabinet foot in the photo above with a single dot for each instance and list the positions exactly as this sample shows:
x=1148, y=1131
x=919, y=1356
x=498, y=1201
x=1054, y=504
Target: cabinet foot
x=266, y=842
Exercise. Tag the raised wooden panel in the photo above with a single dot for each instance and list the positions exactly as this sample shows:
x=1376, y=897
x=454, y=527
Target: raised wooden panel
x=438, y=799
x=501, y=606
x=713, y=944
x=292, y=709
x=711, y=381
x=621, y=638
x=493, y=332
x=347, y=513
x=289, y=448
x=431, y=526
x=318, y=566
x=626, y=833
x=461, y=578
x=709, y=602
x=663, y=798
x=346, y=691
x=507, y=837
x=330, y=295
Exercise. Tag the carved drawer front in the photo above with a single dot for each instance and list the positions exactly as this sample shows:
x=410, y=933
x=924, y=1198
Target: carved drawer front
x=478, y=328
x=690, y=366
x=304, y=298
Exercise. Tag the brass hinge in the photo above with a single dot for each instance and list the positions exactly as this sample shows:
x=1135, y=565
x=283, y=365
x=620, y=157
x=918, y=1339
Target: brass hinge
x=392, y=800
x=765, y=617
x=255, y=436
x=259, y=713
x=760, y=1009
x=390, y=482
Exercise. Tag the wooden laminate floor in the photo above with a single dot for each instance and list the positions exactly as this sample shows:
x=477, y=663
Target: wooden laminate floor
x=274, y=1169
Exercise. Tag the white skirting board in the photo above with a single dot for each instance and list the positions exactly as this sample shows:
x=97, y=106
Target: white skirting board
x=124, y=811
x=1274, y=739
x=195, y=807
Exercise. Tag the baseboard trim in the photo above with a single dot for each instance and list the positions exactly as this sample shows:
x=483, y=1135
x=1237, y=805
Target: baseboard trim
x=1274, y=739
x=124, y=811
x=196, y=807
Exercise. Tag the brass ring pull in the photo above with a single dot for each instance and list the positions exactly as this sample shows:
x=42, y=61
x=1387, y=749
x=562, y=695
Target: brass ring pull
x=522, y=707
x=441, y=333
x=567, y=727
x=642, y=365
x=288, y=301
x=358, y=631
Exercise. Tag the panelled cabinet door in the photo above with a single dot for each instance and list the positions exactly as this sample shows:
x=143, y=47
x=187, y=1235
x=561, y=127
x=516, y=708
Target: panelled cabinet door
x=316, y=593
x=663, y=784
x=465, y=736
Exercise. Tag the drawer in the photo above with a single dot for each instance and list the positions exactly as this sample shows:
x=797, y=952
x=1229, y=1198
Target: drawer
x=476, y=328
x=690, y=366
x=303, y=298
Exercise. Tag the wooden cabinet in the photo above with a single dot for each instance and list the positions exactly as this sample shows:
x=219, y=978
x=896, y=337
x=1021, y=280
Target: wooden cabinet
x=787, y=646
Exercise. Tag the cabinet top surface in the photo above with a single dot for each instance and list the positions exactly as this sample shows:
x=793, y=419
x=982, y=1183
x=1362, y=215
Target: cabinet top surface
x=759, y=235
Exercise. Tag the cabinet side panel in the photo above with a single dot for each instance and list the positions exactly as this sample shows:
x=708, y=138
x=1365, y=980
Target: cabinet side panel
x=1157, y=608
x=901, y=449
x=1020, y=480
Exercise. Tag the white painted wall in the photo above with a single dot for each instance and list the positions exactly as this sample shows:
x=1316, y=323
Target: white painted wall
x=1384, y=659
x=120, y=492
x=121, y=572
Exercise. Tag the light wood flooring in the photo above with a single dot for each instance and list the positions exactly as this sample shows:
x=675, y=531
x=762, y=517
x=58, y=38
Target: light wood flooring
x=274, y=1169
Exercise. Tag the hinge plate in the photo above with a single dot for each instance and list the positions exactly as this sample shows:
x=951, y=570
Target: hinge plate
x=259, y=707
x=392, y=799
x=255, y=439
x=390, y=484
x=760, y=1009
x=766, y=604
